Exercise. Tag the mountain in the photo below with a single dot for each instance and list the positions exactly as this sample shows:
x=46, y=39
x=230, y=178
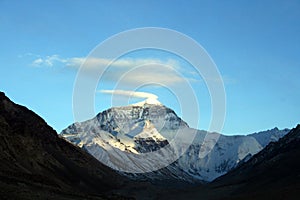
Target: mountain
x=35, y=163
x=273, y=173
x=125, y=132
x=120, y=134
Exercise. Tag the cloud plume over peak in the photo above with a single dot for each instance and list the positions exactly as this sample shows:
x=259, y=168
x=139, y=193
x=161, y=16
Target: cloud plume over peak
x=150, y=98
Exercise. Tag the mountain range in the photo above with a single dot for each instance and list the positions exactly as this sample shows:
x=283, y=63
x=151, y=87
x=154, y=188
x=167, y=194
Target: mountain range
x=38, y=163
x=117, y=134
x=273, y=173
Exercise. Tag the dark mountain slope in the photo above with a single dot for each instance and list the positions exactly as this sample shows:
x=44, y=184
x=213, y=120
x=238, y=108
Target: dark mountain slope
x=35, y=163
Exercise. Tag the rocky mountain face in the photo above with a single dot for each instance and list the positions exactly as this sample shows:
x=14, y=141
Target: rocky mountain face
x=125, y=132
x=35, y=163
x=120, y=134
x=273, y=173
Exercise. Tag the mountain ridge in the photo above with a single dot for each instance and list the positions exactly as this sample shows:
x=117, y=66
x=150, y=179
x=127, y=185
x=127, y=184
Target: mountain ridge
x=37, y=164
x=273, y=173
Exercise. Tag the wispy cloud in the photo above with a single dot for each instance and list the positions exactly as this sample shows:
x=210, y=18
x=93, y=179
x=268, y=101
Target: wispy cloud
x=126, y=70
x=129, y=93
x=94, y=63
x=48, y=61
x=150, y=98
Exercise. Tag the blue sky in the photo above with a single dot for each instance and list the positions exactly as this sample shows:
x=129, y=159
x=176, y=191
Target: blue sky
x=255, y=44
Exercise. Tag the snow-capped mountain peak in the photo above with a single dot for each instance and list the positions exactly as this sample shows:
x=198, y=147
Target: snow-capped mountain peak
x=114, y=135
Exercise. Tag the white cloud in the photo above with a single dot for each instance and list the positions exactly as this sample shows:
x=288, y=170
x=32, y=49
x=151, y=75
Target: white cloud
x=150, y=98
x=37, y=62
x=126, y=70
x=48, y=61
x=93, y=63
x=129, y=93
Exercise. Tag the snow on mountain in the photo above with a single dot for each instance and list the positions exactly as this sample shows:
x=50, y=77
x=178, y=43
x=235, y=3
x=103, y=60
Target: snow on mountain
x=226, y=154
x=118, y=135
x=265, y=137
